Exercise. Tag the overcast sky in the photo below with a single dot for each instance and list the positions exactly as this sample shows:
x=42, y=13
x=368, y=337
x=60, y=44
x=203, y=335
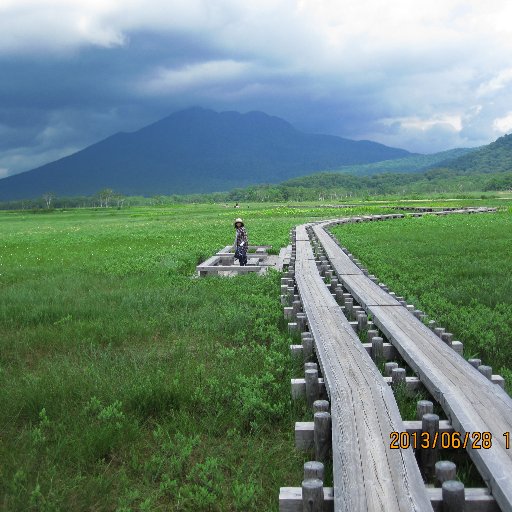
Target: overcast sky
x=425, y=76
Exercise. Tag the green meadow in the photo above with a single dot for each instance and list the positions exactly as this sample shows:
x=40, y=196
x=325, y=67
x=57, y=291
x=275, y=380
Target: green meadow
x=128, y=384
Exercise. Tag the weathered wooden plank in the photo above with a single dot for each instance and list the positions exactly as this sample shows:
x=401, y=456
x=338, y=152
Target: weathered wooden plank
x=290, y=499
x=477, y=500
x=209, y=262
x=363, y=289
x=228, y=268
x=368, y=475
x=304, y=431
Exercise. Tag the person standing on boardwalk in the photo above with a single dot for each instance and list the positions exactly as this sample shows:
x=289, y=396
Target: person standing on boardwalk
x=241, y=242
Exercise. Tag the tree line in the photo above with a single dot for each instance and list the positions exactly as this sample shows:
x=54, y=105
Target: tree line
x=318, y=187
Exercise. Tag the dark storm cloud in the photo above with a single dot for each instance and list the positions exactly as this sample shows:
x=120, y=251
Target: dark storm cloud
x=428, y=78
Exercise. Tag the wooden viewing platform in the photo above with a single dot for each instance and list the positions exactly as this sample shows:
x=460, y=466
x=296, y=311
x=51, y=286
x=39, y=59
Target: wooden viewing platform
x=224, y=261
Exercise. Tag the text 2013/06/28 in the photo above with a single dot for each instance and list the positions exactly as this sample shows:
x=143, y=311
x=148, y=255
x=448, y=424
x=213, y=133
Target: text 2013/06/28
x=425, y=440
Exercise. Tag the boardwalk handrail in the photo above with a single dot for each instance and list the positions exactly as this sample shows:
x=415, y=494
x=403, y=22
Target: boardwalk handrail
x=367, y=473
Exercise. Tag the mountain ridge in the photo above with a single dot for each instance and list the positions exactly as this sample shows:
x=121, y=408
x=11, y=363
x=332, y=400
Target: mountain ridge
x=195, y=150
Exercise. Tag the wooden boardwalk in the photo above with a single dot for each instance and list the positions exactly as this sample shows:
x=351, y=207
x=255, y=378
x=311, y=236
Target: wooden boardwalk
x=471, y=402
x=368, y=475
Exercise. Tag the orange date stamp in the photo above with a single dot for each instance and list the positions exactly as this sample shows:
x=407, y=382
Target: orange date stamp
x=445, y=440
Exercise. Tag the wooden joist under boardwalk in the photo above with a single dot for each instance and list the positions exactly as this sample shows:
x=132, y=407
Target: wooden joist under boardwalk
x=471, y=401
x=368, y=475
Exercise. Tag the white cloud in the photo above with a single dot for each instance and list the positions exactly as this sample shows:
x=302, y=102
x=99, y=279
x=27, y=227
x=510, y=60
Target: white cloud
x=503, y=124
x=329, y=29
x=57, y=26
x=453, y=121
x=495, y=84
x=204, y=74
x=439, y=69
x=4, y=172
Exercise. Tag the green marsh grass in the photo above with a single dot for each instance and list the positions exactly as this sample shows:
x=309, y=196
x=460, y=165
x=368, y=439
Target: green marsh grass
x=128, y=384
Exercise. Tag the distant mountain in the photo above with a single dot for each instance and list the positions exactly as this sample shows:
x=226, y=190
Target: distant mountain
x=488, y=168
x=495, y=157
x=195, y=150
x=412, y=163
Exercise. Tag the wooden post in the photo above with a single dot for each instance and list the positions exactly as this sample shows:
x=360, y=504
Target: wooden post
x=349, y=304
x=334, y=284
x=320, y=406
x=486, y=371
x=377, y=349
x=458, y=346
x=447, y=337
x=339, y=294
x=432, y=324
x=397, y=376
x=445, y=470
x=292, y=327
x=371, y=334
x=417, y=313
x=356, y=310
x=453, y=496
x=362, y=322
x=312, y=495
x=389, y=367
x=438, y=331
x=424, y=407
x=322, y=435
x=307, y=347
x=296, y=307
x=312, y=386
x=313, y=469
x=310, y=366
x=430, y=424
x=475, y=363
x=301, y=321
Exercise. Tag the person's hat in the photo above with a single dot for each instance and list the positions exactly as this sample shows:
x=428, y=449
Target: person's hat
x=239, y=220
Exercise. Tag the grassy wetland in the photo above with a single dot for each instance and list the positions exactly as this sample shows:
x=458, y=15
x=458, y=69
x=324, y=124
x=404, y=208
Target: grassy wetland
x=129, y=385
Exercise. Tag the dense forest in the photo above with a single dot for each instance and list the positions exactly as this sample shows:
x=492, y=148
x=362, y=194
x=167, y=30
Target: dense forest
x=322, y=187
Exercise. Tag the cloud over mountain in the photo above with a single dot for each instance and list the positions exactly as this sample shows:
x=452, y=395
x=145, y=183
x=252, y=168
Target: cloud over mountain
x=427, y=76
